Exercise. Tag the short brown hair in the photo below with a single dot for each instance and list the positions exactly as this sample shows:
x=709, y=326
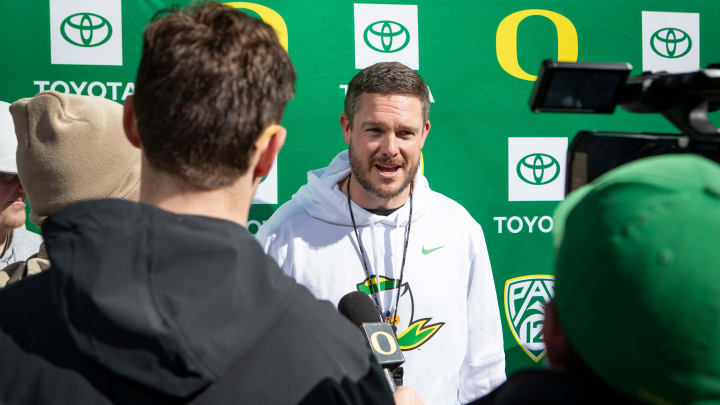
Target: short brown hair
x=210, y=79
x=387, y=78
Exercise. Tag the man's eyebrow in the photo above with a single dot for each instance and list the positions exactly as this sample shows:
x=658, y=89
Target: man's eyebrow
x=409, y=128
x=383, y=125
x=373, y=124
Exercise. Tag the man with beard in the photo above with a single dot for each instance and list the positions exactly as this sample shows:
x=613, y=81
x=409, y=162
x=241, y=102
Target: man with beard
x=369, y=222
x=16, y=243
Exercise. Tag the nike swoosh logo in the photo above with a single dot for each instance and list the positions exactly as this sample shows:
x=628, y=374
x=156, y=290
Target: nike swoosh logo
x=428, y=251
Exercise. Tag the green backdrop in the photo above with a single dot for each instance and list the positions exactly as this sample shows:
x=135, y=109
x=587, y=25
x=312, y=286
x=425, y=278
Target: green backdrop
x=462, y=49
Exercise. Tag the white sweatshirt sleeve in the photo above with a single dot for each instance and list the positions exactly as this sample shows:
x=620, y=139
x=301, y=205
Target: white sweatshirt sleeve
x=484, y=366
x=273, y=248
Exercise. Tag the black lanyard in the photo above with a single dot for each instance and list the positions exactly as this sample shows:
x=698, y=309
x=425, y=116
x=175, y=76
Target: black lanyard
x=368, y=276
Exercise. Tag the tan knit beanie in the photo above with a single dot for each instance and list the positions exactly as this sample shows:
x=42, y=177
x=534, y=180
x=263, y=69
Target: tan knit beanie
x=73, y=148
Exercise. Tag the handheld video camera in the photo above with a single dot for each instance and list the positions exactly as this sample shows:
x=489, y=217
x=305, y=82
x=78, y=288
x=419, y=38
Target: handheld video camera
x=683, y=98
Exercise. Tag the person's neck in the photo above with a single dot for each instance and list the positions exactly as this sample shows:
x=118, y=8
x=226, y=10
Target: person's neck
x=231, y=203
x=361, y=197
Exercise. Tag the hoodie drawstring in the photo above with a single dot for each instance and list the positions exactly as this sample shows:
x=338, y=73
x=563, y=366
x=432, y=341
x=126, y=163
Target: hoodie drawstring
x=376, y=265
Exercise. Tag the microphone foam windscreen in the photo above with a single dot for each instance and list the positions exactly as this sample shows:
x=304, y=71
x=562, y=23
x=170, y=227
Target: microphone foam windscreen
x=358, y=308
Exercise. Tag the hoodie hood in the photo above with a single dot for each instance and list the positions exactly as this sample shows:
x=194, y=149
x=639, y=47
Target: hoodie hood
x=322, y=199
x=168, y=301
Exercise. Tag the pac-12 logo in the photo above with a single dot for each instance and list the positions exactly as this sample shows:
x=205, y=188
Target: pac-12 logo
x=525, y=299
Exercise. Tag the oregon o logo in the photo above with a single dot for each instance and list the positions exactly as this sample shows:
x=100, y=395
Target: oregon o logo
x=386, y=36
x=270, y=16
x=538, y=169
x=378, y=347
x=506, y=40
x=670, y=42
x=86, y=29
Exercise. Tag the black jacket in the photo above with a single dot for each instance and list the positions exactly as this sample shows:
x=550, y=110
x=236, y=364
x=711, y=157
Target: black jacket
x=142, y=305
x=547, y=387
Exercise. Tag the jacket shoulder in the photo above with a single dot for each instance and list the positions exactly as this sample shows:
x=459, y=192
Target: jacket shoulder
x=314, y=353
x=40, y=363
x=288, y=216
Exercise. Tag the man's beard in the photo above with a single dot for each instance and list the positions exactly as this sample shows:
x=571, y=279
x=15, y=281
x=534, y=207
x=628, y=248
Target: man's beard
x=11, y=219
x=362, y=176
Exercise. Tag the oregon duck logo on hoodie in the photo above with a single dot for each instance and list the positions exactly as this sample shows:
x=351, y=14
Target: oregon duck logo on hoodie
x=415, y=332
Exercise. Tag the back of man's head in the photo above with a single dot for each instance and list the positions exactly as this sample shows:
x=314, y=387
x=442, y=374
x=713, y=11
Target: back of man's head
x=638, y=278
x=210, y=80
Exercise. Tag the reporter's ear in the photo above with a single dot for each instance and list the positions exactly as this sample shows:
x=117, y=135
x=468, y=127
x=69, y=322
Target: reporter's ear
x=268, y=147
x=556, y=341
x=130, y=122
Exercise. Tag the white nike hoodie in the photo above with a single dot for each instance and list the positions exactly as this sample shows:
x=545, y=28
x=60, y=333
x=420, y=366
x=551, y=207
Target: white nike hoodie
x=449, y=324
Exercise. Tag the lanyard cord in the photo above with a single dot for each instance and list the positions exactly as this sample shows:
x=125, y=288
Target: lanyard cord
x=376, y=290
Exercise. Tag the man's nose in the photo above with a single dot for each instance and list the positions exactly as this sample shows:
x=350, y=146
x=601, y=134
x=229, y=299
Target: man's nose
x=390, y=145
x=16, y=183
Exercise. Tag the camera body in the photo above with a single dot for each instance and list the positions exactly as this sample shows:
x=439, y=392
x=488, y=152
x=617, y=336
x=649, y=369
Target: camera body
x=598, y=88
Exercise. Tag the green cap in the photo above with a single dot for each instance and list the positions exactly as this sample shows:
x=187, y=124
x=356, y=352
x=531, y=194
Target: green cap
x=637, y=286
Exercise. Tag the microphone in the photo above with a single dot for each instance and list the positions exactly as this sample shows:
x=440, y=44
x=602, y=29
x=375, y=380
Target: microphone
x=380, y=337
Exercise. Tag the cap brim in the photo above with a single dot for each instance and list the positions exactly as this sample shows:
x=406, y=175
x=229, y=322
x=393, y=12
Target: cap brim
x=7, y=165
